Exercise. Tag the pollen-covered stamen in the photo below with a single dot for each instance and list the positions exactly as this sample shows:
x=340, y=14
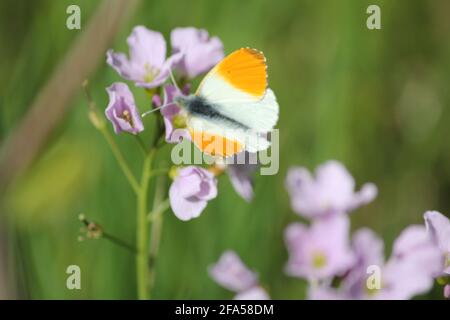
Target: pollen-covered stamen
x=126, y=115
x=319, y=260
x=150, y=73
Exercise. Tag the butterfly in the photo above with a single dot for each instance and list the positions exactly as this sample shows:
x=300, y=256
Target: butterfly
x=233, y=109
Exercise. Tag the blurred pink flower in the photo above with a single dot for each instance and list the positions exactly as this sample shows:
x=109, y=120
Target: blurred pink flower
x=241, y=171
x=172, y=115
x=447, y=291
x=320, y=251
x=233, y=275
x=324, y=292
x=255, y=293
x=412, y=266
x=147, y=65
x=438, y=227
x=408, y=272
x=121, y=109
x=190, y=192
x=330, y=192
x=200, y=53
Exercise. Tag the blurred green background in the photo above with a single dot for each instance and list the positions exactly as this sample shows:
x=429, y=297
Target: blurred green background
x=377, y=100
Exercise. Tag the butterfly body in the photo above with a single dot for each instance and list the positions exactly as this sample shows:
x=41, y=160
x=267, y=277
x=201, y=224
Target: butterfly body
x=197, y=106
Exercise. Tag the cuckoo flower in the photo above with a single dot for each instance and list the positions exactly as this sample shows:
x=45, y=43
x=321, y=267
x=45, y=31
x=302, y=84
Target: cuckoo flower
x=147, y=65
x=174, y=118
x=233, y=275
x=320, y=251
x=412, y=266
x=255, y=293
x=447, y=291
x=241, y=169
x=438, y=227
x=121, y=110
x=324, y=292
x=200, y=53
x=369, y=251
x=190, y=192
x=241, y=177
x=408, y=272
x=330, y=192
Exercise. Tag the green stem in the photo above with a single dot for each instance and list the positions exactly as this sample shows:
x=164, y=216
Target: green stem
x=119, y=242
x=141, y=144
x=142, y=243
x=160, y=210
x=159, y=206
x=159, y=171
x=99, y=123
x=120, y=159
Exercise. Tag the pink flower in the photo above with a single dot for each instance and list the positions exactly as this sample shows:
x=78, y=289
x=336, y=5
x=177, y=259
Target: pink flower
x=447, y=291
x=233, y=275
x=255, y=293
x=174, y=119
x=241, y=177
x=121, y=110
x=412, y=266
x=330, y=192
x=190, y=192
x=241, y=169
x=200, y=53
x=438, y=227
x=320, y=251
x=147, y=65
x=369, y=251
x=408, y=272
x=324, y=292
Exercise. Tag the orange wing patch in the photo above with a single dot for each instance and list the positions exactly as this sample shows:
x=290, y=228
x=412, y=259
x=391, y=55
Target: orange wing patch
x=245, y=69
x=214, y=144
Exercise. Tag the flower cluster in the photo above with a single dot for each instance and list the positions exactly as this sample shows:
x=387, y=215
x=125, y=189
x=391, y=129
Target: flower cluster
x=148, y=66
x=193, y=52
x=338, y=265
x=324, y=254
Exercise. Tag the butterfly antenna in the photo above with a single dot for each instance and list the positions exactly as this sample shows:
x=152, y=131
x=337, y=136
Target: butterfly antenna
x=156, y=109
x=172, y=78
x=173, y=81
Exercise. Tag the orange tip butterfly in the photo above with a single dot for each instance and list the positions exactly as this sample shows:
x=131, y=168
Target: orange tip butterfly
x=233, y=109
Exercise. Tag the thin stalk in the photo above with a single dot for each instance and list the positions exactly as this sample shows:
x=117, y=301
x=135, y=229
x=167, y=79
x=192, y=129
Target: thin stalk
x=119, y=242
x=159, y=206
x=142, y=227
x=141, y=144
x=95, y=231
x=120, y=159
x=99, y=123
x=160, y=210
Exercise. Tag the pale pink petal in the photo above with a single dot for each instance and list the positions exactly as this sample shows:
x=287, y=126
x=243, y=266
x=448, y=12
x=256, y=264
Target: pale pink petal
x=232, y=274
x=255, y=293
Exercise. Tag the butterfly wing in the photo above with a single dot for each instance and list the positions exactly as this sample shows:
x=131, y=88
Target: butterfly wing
x=237, y=88
x=241, y=76
x=222, y=141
